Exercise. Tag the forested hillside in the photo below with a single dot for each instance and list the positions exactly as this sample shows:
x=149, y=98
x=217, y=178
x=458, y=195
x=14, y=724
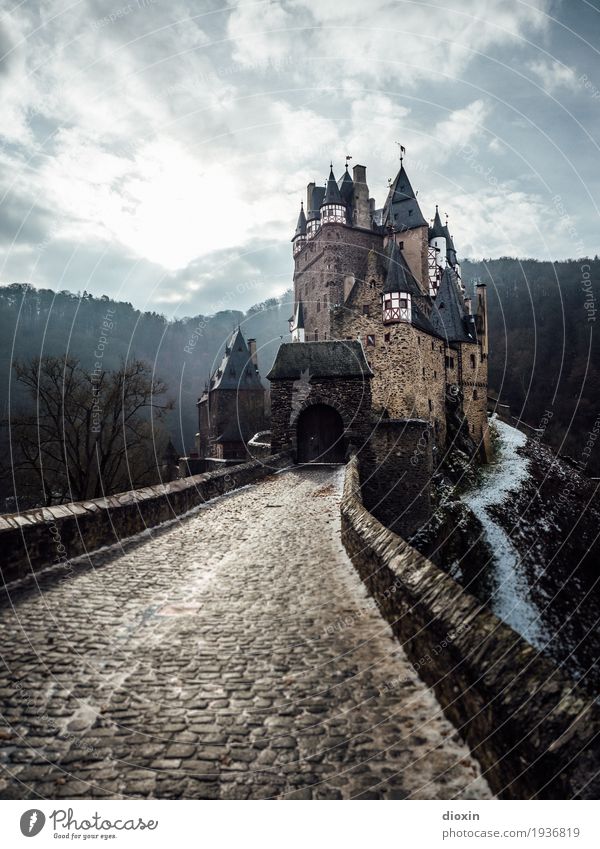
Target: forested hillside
x=182, y=352
x=545, y=345
x=544, y=353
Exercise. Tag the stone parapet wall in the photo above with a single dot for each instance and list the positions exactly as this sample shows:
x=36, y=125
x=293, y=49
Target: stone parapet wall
x=42, y=537
x=534, y=731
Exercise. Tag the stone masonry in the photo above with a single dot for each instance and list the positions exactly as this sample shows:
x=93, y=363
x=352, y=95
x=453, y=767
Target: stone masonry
x=233, y=655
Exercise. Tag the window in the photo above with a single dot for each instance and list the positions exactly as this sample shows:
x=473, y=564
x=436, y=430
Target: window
x=365, y=309
x=318, y=306
x=370, y=340
x=387, y=337
x=430, y=405
x=475, y=396
x=423, y=371
x=316, y=335
x=434, y=374
x=418, y=340
x=433, y=346
x=403, y=303
x=401, y=245
x=449, y=362
x=473, y=361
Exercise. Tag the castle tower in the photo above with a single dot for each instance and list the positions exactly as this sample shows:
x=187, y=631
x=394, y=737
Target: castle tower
x=333, y=209
x=399, y=288
x=404, y=222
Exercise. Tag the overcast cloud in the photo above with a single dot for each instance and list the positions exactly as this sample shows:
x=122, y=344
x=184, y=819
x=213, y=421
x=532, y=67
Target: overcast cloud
x=158, y=151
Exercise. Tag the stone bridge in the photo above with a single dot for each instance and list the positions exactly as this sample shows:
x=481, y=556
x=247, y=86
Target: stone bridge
x=235, y=654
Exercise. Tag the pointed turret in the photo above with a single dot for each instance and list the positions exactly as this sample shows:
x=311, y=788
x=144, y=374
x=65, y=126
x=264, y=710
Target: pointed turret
x=299, y=239
x=401, y=210
x=333, y=208
x=449, y=316
x=399, y=288
x=437, y=239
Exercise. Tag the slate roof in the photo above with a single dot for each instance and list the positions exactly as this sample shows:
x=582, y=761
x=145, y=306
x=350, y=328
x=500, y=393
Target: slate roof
x=298, y=317
x=346, y=187
x=317, y=200
x=448, y=317
x=401, y=209
x=399, y=277
x=321, y=359
x=236, y=370
x=301, y=225
x=332, y=193
x=438, y=229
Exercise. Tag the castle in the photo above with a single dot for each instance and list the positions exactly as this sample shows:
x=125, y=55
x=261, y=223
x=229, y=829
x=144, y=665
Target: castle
x=386, y=277
x=387, y=357
x=384, y=335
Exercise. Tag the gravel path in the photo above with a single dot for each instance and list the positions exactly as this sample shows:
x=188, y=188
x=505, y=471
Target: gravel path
x=232, y=655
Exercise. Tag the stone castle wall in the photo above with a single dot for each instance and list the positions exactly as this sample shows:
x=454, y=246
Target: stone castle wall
x=408, y=365
x=395, y=473
x=50, y=536
x=350, y=397
x=535, y=733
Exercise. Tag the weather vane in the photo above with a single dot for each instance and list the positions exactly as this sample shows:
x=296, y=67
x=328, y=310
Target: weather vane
x=402, y=151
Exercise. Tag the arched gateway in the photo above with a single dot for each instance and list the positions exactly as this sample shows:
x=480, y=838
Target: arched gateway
x=320, y=400
x=320, y=435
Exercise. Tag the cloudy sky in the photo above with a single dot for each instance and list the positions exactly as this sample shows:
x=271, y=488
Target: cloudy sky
x=157, y=150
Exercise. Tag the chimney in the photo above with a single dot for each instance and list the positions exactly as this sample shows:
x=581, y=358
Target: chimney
x=309, y=197
x=252, y=349
x=468, y=305
x=361, y=197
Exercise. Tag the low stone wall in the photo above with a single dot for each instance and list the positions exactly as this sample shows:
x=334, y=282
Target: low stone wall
x=533, y=730
x=37, y=538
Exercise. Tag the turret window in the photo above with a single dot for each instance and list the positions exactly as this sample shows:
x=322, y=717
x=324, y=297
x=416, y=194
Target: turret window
x=365, y=309
x=396, y=307
x=333, y=213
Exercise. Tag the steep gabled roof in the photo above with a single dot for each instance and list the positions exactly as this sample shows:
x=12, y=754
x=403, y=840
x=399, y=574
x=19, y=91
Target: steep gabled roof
x=332, y=193
x=236, y=370
x=401, y=209
x=335, y=359
x=346, y=187
x=399, y=277
x=448, y=316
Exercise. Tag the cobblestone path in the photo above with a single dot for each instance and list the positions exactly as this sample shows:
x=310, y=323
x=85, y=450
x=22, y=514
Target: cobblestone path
x=234, y=654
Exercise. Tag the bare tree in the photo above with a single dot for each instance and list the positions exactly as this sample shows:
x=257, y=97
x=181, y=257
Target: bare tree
x=89, y=433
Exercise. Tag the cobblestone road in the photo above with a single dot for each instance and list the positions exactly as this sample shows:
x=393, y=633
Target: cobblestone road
x=233, y=655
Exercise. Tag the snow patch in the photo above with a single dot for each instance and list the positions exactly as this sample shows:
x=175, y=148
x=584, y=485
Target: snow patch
x=511, y=600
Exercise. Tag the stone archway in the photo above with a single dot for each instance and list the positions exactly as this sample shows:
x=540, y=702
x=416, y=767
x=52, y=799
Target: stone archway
x=320, y=435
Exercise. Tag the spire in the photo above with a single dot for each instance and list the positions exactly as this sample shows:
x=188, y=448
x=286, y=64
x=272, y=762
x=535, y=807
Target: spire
x=401, y=210
x=301, y=225
x=346, y=186
x=332, y=193
x=437, y=231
